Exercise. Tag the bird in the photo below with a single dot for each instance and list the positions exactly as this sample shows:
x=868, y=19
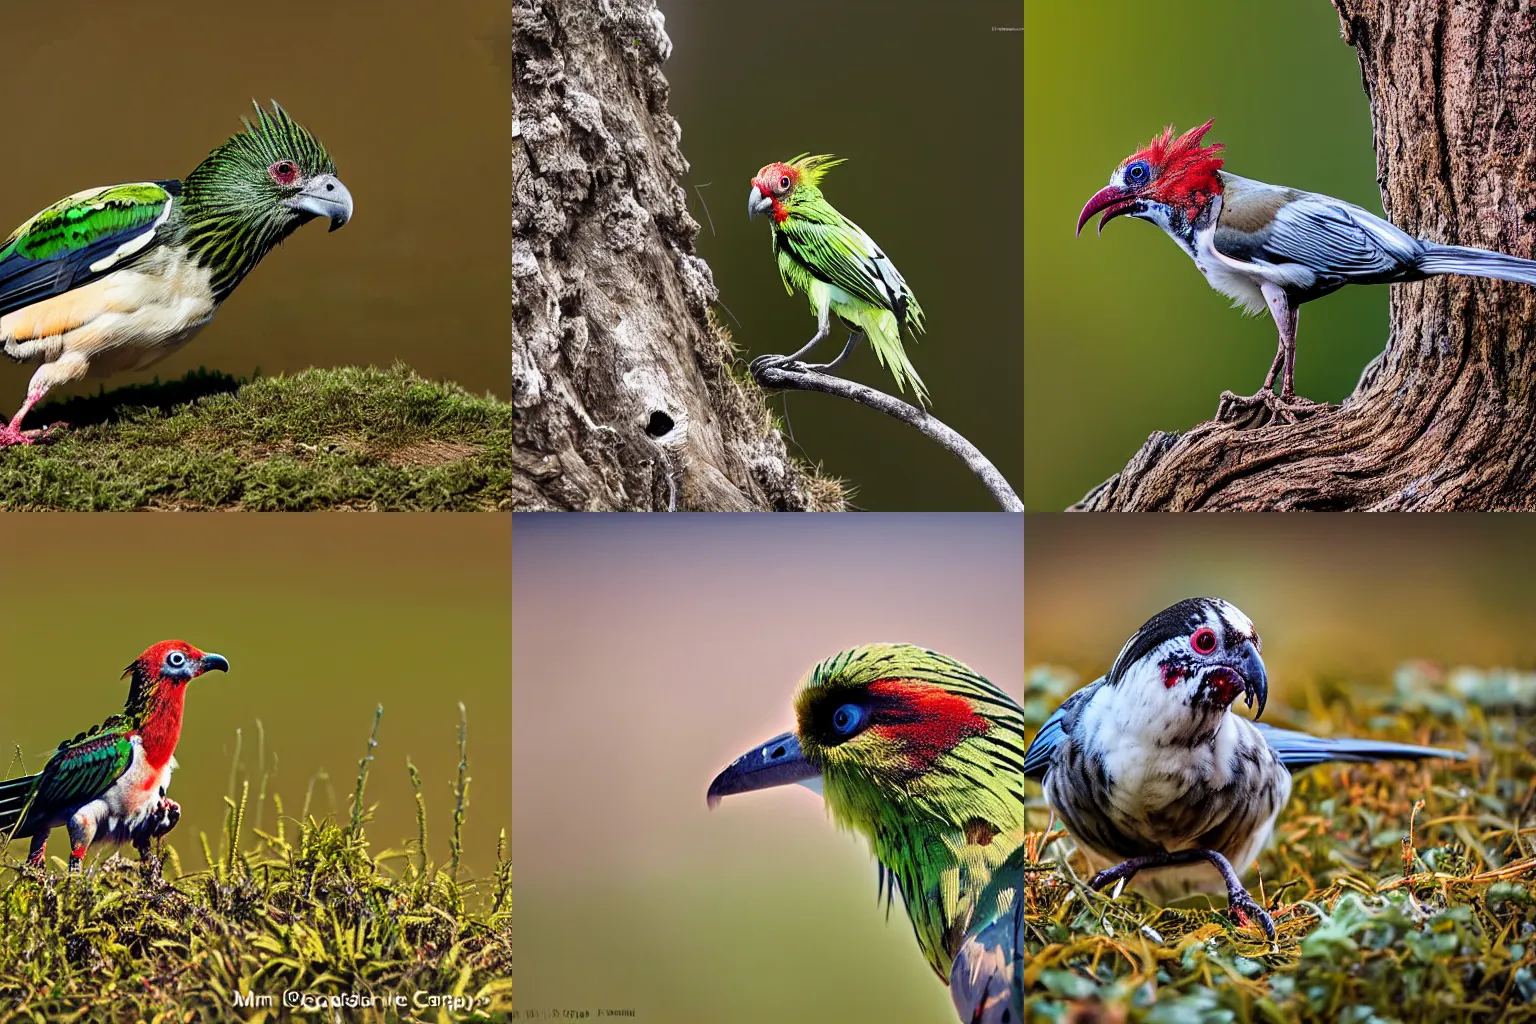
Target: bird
x=116, y=278
x=922, y=757
x=1267, y=246
x=839, y=268
x=1160, y=785
x=108, y=784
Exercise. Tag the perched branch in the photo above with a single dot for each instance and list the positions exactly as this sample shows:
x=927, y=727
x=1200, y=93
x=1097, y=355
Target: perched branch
x=798, y=377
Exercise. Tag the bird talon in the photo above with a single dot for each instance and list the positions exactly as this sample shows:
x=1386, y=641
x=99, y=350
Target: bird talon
x=1264, y=408
x=1246, y=909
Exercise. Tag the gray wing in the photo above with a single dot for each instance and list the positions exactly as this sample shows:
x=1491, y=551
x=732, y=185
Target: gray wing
x=1338, y=242
x=986, y=981
x=1299, y=751
x=1037, y=759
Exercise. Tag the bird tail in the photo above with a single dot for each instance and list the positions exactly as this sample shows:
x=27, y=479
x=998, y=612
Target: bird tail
x=15, y=802
x=1460, y=259
x=1300, y=750
x=884, y=334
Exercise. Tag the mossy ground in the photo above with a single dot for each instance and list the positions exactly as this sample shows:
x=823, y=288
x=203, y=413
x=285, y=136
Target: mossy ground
x=308, y=907
x=1400, y=892
x=350, y=438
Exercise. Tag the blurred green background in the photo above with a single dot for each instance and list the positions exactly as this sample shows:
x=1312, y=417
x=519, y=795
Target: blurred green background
x=1122, y=334
x=648, y=653
x=411, y=101
x=1336, y=598
x=322, y=619
x=923, y=100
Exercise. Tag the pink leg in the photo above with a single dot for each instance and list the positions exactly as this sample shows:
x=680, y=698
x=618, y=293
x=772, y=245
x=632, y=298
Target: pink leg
x=12, y=433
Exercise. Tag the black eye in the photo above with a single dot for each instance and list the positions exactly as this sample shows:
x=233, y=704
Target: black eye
x=1137, y=172
x=784, y=181
x=1203, y=641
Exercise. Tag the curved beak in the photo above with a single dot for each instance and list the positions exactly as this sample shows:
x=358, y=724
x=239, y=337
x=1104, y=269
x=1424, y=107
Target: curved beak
x=324, y=196
x=777, y=762
x=1250, y=669
x=758, y=203
x=1112, y=201
x=212, y=663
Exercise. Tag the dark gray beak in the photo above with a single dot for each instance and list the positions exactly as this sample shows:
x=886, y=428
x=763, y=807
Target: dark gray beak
x=1250, y=666
x=778, y=762
x=758, y=203
x=324, y=196
x=213, y=663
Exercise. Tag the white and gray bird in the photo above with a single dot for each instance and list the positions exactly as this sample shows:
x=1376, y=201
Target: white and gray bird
x=1269, y=246
x=1158, y=783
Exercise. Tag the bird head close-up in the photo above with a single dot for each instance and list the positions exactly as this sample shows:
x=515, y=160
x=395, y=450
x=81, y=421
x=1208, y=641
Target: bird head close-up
x=920, y=755
x=1170, y=182
x=166, y=668
x=258, y=187
x=779, y=187
x=1190, y=661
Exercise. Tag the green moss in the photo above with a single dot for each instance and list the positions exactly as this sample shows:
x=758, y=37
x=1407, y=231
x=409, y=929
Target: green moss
x=308, y=908
x=322, y=439
x=1453, y=940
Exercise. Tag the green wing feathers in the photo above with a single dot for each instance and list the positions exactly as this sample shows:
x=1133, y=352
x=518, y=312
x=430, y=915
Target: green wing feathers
x=816, y=243
x=79, y=221
x=83, y=769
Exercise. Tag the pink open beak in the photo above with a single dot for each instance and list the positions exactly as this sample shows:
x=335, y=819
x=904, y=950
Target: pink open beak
x=1112, y=201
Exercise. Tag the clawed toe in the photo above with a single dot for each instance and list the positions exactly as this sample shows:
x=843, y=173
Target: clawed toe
x=1263, y=408
x=1244, y=907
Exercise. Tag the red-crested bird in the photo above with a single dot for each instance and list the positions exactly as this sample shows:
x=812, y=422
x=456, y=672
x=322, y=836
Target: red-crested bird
x=1269, y=246
x=107, y=785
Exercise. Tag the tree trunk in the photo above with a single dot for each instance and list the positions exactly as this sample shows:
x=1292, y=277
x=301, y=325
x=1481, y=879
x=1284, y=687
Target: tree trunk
x=1445, y=418
x=622, y=393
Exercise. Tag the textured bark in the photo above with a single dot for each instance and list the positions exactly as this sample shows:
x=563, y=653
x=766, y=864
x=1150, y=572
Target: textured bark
x=1445, y=418
x=621, y=389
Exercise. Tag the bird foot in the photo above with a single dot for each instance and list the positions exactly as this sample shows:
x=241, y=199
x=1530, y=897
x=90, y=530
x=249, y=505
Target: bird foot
x=166, y=817
x=9, y=435
x=773, y=363
x=1264, y=408
x=1246, y=909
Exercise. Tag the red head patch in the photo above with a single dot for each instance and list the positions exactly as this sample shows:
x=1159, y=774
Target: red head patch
x=1183, y=171
x=776, y=181
x=925, y=719
x=152, y=663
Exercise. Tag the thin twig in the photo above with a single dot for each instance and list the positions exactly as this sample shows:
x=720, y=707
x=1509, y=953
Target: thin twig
x=796, y=377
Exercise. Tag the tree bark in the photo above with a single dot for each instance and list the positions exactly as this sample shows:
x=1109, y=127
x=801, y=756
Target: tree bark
x=1445, y=418
x=622, y=393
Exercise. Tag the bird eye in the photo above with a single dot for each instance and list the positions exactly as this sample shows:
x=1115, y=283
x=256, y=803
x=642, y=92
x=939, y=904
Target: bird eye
x=1137, y=172
x=1203, y=640
x=847, y=719
x=175, y=659
x=284, y=172
x=783, y=182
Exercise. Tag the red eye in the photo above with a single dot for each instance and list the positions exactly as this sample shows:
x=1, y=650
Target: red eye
x=1203, y=641
x=284, y=172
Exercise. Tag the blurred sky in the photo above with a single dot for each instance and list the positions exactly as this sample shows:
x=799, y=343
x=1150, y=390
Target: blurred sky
x=924, y=101
x=1338, y=598
x=648, y=653
x=1122, y=334
x=322, y=619
x=411, y=101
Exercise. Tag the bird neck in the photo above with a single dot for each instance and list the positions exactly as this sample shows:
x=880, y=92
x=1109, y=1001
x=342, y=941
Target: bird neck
x=229, y=227
x=942, y=871
x=154, y=711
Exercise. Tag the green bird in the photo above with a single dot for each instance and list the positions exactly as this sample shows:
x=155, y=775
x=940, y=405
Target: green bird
x=116, y=278
x=838, y=266
x=925, y=759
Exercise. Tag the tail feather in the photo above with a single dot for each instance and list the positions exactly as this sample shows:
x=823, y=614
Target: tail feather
x=884, y=335
x=15, y=802
x=1459, y=259
x=1298, y=750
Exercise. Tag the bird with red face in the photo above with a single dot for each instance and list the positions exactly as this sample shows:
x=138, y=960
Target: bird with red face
x=108, y=784
x=1266, y=246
